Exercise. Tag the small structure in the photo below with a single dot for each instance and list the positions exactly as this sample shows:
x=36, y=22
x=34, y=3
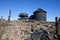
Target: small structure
x=23, y=16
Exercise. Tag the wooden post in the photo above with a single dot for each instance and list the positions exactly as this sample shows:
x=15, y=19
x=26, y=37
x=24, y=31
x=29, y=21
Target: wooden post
x=1, y=17
x=56, y=23
x=9, y=16
x=58, y=29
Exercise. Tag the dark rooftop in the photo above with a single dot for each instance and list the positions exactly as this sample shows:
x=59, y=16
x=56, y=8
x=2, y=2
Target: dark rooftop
x=40, y=10
x=23, y=15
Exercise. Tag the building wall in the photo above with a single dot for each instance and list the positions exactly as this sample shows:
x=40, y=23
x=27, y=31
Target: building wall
x=40, y=16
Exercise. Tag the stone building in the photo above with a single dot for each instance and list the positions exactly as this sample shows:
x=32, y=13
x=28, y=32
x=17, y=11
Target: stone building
x=39, y=15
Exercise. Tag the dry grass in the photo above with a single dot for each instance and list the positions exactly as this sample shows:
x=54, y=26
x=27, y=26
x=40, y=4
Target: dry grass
x=15, y=27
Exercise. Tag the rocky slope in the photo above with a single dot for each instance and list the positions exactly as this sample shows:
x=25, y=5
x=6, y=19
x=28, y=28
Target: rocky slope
x=23, y=30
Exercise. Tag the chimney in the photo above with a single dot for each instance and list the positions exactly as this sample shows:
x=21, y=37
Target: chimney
x=9, y=16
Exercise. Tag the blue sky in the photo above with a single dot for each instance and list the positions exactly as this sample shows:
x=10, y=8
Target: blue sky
x=29, y=6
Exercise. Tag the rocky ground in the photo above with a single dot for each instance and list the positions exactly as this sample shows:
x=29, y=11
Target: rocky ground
x=26, y=30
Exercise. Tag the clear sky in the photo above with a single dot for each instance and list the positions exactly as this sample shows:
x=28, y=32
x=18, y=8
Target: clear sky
x=29, y=6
